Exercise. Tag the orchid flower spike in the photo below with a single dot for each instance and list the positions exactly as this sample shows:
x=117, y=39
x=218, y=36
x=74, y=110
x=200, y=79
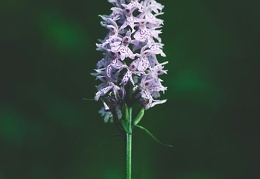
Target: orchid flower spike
x=129, y=73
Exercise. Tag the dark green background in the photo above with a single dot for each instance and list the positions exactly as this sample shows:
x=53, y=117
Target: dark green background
x=211, y=116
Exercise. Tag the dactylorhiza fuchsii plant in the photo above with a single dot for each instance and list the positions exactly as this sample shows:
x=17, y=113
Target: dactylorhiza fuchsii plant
x=129, y=73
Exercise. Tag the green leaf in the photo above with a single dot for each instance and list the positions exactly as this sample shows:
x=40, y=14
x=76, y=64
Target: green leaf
x=126, y=112
x=125, y=122
x=151, y=135
x=125, y=126
x=139, y=116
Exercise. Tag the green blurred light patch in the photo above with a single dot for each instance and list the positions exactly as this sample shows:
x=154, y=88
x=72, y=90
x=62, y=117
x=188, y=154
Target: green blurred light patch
x=63, y=33
x=194, y=85
x=111, y=173
x=12, y=127
x=191, y=81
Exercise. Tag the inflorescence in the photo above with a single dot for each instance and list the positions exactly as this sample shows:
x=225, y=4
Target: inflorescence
x=129, y=71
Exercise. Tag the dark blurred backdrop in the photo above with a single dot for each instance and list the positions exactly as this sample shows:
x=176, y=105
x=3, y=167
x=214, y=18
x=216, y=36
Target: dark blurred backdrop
x=211, y=117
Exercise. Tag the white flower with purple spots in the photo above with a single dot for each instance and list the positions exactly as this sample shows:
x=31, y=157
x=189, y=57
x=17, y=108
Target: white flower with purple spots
x=129, y=71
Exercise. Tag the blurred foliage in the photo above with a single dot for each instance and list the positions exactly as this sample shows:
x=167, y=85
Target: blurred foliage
x=211, y=116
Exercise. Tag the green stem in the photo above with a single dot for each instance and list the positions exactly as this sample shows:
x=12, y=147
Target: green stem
x=129, y=145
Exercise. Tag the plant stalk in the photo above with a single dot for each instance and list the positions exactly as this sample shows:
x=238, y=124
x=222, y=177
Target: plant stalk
x=129, y=145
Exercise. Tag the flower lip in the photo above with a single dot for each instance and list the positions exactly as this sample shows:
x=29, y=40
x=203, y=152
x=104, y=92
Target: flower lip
x=127, y=11
x=126, y=40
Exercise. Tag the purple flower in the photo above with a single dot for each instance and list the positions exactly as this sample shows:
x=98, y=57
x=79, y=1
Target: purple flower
x=129, y=71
